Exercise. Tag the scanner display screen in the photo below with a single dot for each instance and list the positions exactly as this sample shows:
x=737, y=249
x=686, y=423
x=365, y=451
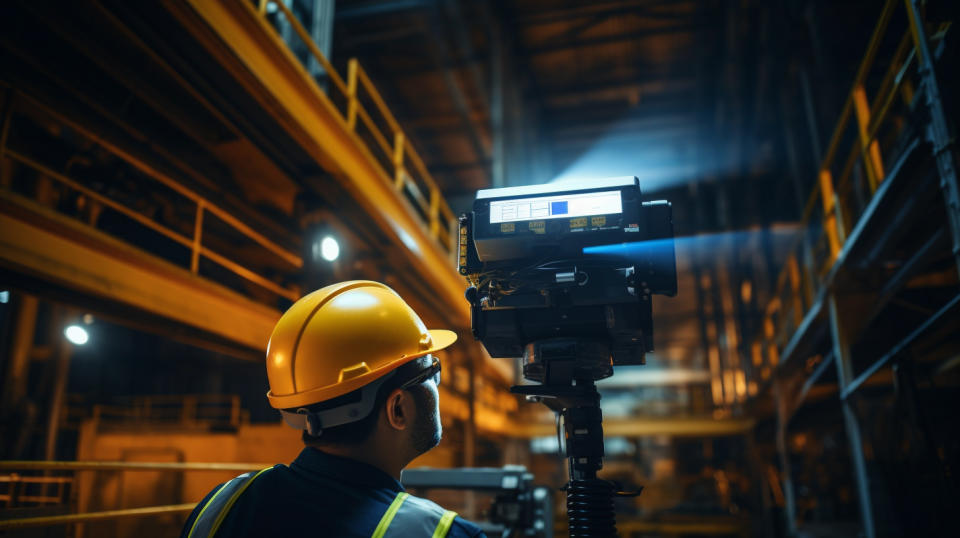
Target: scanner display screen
x=557, y=206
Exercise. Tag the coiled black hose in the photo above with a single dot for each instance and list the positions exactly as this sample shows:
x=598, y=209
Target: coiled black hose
x=590, y=508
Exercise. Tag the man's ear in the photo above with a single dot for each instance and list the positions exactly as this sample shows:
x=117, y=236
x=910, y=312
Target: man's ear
x=397, y=416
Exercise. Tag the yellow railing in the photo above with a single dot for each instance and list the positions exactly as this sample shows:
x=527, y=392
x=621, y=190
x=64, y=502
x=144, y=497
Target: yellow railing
x=375, y=126
x=75, y=466
x=864, y=131
x=16, y=489
x=193, y=242
x=389, y=145
x=182, y=409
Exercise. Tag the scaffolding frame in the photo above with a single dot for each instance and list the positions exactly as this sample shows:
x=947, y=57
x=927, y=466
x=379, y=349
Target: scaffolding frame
x=807, y=295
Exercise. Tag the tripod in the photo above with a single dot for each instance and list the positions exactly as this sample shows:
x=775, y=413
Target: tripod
x=567, y=369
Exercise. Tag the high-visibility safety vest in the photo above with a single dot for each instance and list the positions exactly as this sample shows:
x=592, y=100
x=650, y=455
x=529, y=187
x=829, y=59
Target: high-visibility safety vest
x=407, y=516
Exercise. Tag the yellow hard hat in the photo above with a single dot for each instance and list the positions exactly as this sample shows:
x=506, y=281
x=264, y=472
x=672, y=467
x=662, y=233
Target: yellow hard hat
x=342, y=337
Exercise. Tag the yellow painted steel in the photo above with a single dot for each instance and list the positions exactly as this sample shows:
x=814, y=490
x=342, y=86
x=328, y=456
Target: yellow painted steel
x=41, y=243
x=195, y=244
x=246, y=45
x=47, y=521
x=873, y=163
x=647, y=427
x=32, y=465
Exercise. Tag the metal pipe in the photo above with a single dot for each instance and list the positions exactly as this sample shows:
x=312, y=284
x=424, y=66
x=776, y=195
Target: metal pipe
x=843, y=359
x=938, y=131
x=47, y=521
x=48, y=465
x=790, y=505
x=62, y=366
x=498, y=172
x=15, y=381
x=6, y=114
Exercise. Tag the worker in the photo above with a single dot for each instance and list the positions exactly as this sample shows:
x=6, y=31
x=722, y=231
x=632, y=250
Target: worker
x=353, y=366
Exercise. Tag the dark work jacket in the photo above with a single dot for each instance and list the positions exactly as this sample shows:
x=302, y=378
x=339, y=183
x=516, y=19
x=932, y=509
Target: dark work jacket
x=319, y=494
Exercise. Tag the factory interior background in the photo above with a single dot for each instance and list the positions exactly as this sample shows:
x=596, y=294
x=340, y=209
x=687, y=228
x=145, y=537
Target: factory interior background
x=175, y=173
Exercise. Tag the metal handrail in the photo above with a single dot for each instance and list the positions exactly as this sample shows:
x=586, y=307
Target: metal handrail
x=40, y=465
x=46, y=521
x=194, y=243
x=16, y=487
x=187, y=409
x=114, y=466
x=394, y=146
x=795, y=288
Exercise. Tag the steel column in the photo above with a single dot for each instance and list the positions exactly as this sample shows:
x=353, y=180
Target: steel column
x=322, y=33
x=444, y=62
x=6, y=114
x=811, y=116
x=938, y=130
x=15, y=380
x=783, y=417
x=843, y=360
x=61, y=376
x=498, y=72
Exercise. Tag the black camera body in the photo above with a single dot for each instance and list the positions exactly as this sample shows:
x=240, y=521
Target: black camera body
x=567, y=260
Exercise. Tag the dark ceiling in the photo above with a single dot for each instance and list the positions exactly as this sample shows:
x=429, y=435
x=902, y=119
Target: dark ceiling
x=679, y=91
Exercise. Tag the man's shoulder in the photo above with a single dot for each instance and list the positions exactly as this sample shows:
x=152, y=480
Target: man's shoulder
x=462, y=527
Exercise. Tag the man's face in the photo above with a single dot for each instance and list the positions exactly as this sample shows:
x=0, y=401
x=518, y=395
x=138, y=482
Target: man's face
x=427, y=430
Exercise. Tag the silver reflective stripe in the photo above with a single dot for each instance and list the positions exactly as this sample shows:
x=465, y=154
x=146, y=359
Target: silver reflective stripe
x=338, y=415
x=417, y=518
x=216, y=509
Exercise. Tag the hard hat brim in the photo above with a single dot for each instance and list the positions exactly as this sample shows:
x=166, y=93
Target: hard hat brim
x=440, y=339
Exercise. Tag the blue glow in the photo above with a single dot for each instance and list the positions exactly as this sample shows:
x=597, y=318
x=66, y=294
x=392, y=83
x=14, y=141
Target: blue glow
x=662, y=149
x=781, y=237
x=629, y=250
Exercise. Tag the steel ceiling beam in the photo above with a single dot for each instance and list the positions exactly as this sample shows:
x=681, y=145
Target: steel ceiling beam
x=615, y=38
x=597, y=9
x=378, y=7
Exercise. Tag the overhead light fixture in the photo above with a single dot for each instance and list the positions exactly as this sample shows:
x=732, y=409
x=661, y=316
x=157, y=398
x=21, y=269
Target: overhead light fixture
x=329, y=249
x=76, y=334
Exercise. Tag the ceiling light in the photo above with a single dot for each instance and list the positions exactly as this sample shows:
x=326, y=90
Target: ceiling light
x=329, y=249
x=76, y=335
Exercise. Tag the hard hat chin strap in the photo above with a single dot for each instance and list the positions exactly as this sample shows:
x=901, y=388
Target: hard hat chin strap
x=314, y=422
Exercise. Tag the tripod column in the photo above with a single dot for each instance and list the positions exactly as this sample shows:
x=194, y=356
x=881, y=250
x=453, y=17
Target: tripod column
x=589, y=500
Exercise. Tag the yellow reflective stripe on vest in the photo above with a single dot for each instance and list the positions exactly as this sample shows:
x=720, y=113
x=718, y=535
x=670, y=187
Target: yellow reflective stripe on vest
x=414, y=517
x=388, y=515
x=223, y=510
x=445, y=523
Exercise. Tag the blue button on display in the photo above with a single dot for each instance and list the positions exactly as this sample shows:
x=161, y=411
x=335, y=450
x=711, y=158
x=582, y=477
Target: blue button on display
x=558, y=208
